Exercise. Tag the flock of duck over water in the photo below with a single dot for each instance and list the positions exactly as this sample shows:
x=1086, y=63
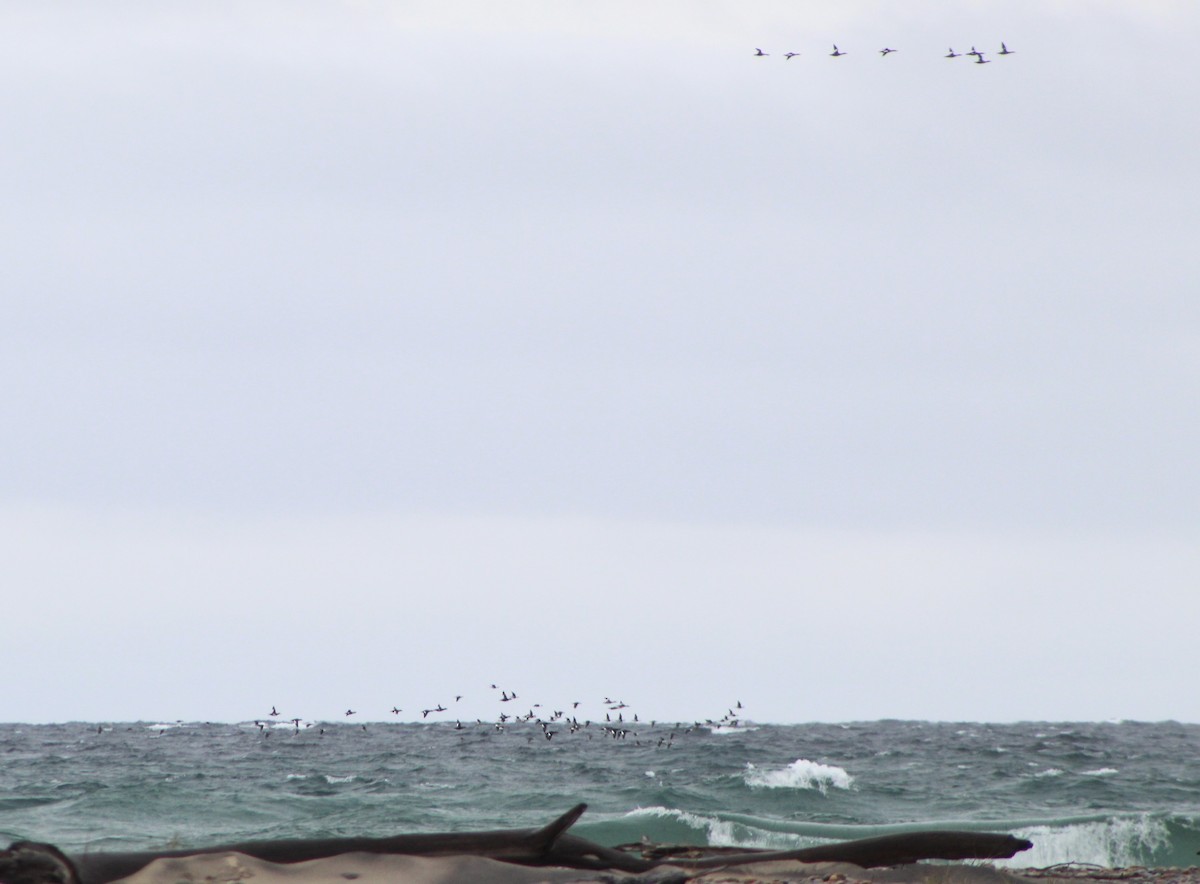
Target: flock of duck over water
x=620, y=721
x=980, y=57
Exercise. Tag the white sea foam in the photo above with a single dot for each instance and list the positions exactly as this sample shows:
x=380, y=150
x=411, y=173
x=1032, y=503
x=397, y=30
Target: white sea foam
x=1119, y=842
x=1100, y=772
x=329, y=778
x=1049, y=772
x=724, y=833
x=800, y=774
x=297, y=776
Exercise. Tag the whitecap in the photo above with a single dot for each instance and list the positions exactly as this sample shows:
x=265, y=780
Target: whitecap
x=1099, y=772
x=722, y=833
x=1049, y=772
x=800, y=774
x=332, y=779
x=1119, y=842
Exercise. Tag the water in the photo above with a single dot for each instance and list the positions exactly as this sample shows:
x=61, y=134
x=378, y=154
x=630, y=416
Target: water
x=1115, y=794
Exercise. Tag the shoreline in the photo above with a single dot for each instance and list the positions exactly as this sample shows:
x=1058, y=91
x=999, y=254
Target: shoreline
x=398, y=869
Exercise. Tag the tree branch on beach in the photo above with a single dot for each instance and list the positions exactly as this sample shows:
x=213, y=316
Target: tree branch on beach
x=550, y=845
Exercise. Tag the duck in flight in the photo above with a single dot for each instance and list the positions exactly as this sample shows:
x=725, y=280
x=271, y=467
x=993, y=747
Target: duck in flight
x=790, y=55
x=1004, y=50
x=979, y=59
x=760, y=54
x=885, y=51
x=836, y=52
x=952, y=53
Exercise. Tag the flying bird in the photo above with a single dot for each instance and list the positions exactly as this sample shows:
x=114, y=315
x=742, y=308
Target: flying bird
x=885, y=51
x=790, y=55
x=952, y=53
x=836, y=52
x=1004, y=50
x=760, y=54
x=980, y=59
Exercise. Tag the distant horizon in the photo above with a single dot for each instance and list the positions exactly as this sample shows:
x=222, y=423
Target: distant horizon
x=660, y=722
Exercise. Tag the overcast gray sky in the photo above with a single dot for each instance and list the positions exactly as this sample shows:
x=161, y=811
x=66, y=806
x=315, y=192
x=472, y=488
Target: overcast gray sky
x=368, y=353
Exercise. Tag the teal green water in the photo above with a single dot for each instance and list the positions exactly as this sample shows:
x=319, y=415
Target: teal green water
x=1107, y=793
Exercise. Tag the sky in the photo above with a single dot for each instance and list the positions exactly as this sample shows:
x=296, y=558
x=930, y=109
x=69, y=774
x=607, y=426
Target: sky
x=367, y=354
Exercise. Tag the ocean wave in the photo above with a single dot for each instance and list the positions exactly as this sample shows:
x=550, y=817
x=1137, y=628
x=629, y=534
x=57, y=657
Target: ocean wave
x=714, y=831
x=800, y=774
x=1100, y=772
x=1112, y=842
x=1115, y=842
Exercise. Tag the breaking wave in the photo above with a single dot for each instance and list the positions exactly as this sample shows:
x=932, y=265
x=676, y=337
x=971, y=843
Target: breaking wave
x=800, y=774
x=1111, y=842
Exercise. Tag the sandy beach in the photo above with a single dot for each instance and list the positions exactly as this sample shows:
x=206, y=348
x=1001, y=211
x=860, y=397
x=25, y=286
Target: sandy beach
x=365, y=868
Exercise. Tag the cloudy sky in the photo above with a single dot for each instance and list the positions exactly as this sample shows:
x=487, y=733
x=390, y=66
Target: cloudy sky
x=360, y=354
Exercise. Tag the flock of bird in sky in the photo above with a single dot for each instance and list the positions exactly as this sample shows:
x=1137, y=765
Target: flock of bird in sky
x=886, y=51
x=620, y=721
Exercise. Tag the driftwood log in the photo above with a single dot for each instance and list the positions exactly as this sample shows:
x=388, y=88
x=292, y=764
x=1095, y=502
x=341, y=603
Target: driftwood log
x=30, y=863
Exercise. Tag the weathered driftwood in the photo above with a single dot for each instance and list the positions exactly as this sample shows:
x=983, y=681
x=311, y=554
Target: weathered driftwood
x=525, y=846
x=886, y=850
x=28, y=863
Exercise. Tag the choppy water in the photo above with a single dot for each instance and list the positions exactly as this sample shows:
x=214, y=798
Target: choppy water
x=1112, y=794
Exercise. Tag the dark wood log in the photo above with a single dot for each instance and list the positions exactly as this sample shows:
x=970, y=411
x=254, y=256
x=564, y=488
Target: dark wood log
x=524, y=846
x=28, y=862
x=549, y=845
x=886, y=850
